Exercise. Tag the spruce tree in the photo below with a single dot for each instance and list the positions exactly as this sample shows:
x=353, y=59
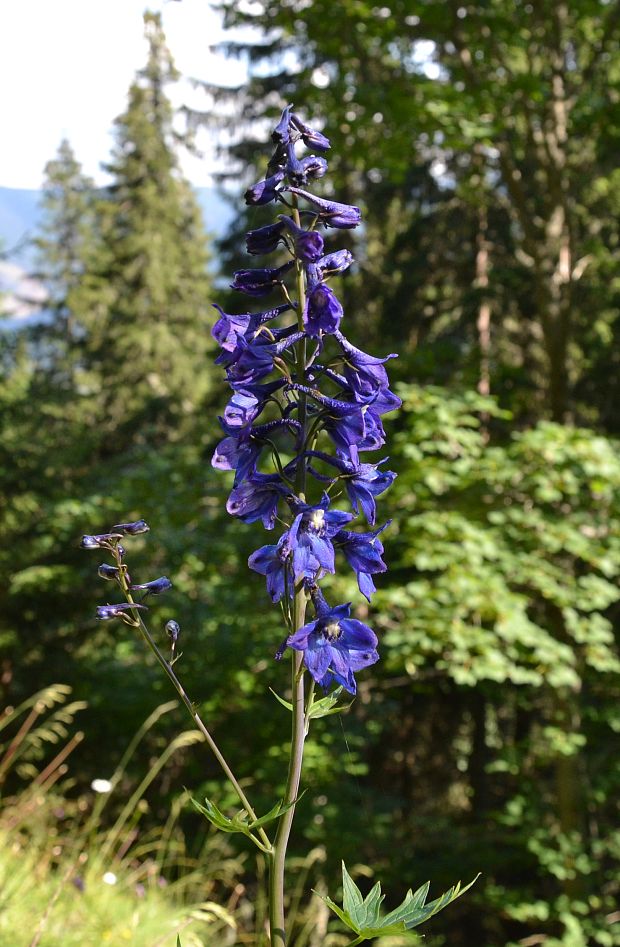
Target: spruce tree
x=149, y=294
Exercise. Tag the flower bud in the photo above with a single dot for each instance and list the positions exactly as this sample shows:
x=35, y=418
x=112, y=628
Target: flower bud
x=131, y=529
x=155, y=586
x=107, y=572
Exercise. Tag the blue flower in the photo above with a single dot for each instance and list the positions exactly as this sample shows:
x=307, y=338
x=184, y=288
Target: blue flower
x=311, y=137
x=281, y=133
x=228, y=328
x=259, y=282
x=264, y=191
x=274, y=562
x=363, y=552
x=335, y=646
x=100, y=541
x=308, y=243
x=155, y=586
x=123, y=611
x=323, y=311
x=131, y=529
x=336, y=262
x=363, y=482
x=265, y=239
x=257, y=498
x=310, y=537
x=331, y=213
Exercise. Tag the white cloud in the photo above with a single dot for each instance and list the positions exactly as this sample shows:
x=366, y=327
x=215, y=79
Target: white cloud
x=66, y=66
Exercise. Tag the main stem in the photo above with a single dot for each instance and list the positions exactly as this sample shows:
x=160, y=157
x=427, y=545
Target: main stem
x=278, y=857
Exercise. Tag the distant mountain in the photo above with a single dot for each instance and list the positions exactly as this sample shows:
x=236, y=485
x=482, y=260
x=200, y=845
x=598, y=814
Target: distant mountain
x=22, y=298
x=19, y=218
x=20, y=214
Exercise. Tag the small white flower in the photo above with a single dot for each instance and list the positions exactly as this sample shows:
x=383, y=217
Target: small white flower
x=109, y=878
x=101, y=785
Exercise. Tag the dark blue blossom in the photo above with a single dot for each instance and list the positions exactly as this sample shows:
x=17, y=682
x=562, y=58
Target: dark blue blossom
x=100, y=541
x=323, y=311
x=363, y=482
x=131, y=529
x=228, y=329
x=281, y=133
x=336, y=262
x=311, y=137
x=363, y=552
x=310, y=537
x=274, y=562
x=123, y=611
x=308, y=243
x=257, y=498
x=331, y=213
x=108, y=572
x=335, y=646
x=263, y=192
x=265, y=239
x=155, y=586
x=259, y=282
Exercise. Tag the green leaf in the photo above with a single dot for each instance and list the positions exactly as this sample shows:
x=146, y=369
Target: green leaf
x=327, y=705
x=362, y=915
x=240, y=822
x=281, y=700
x=178, y=941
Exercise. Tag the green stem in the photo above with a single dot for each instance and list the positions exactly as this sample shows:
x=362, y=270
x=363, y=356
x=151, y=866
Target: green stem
x=266, y=843
x=298, y=729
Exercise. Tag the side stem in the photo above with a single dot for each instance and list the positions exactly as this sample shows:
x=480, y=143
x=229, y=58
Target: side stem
x=266, y=843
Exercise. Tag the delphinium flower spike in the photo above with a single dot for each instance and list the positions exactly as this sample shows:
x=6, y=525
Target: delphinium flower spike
x=306, y=402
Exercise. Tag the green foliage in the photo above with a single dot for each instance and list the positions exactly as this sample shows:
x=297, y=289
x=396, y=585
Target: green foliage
x=362, y=915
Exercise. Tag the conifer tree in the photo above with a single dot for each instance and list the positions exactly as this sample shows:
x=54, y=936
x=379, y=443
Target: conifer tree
x=66, y=248
x=149, y=293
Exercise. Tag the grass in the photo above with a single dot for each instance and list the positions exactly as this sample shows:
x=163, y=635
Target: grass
x=67, y=879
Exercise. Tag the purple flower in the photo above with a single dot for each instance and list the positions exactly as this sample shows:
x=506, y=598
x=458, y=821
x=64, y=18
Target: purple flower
x=228, y=328
x=363, y=552
x=308, y=243
x=334, y=263
x=155, y=586
x=108, y=572
x=363, y=482
x=281, y=133
x=274, y=562
x=311, y=137
x=264, y=191
x=259, y=282
x=335, y=646
x=365, y=373
x=323, y=311
x=123, y=611
x=314, y=166
x=331, y=213
x=310, y=538
x=240, y=451
x=265, y=239
x=131, y=529
x=100, y=541
x=251, y=361
x=257, y=498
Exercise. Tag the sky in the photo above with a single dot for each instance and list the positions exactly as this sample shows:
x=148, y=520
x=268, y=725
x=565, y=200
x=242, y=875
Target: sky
x=66, y=67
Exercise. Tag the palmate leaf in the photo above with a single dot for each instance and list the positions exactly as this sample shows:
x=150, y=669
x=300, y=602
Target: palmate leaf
x=362, y=915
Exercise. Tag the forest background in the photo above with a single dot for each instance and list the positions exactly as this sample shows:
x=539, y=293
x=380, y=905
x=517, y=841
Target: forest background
x=481, y=142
